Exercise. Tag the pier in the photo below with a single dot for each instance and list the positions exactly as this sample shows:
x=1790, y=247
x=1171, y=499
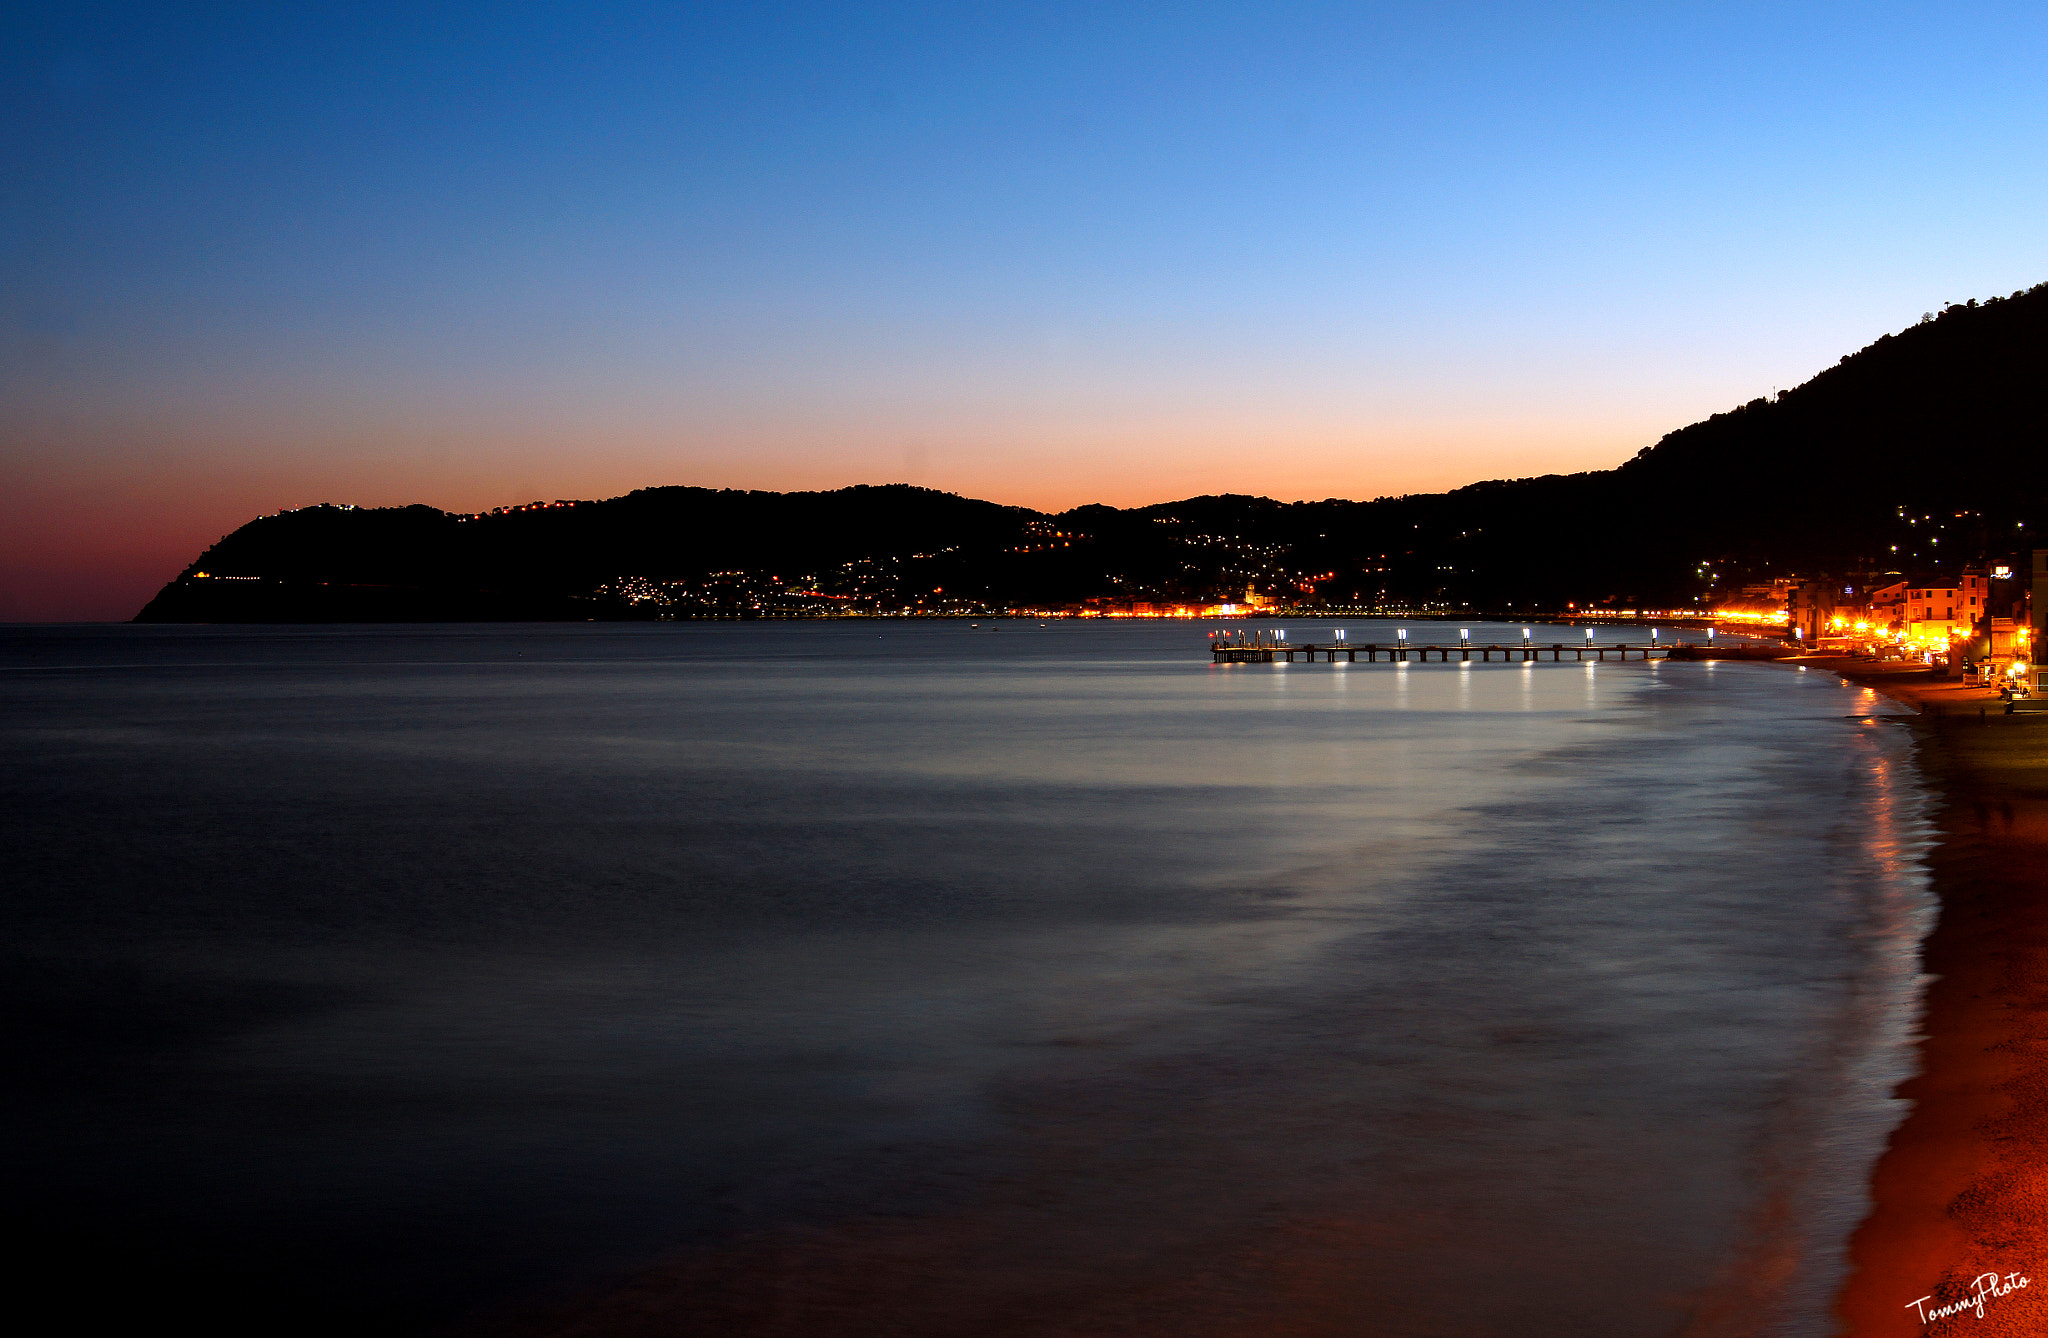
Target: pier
x=1260, y=649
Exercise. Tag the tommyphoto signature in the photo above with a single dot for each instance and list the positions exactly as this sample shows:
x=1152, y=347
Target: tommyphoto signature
x=1987, y=1288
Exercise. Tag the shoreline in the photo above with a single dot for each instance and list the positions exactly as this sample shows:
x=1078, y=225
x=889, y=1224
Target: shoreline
x=1961, y=1189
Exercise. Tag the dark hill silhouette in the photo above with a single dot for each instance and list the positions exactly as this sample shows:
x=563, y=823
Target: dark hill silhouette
x=1922, y=450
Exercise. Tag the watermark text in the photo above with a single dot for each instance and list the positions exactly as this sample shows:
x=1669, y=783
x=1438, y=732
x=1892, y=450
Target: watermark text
x=1986, y=1288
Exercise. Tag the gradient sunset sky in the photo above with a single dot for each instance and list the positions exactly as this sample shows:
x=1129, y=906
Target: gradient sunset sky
x=264, y=255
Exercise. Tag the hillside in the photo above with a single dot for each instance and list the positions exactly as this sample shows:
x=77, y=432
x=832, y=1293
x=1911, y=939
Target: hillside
x=1923, y=449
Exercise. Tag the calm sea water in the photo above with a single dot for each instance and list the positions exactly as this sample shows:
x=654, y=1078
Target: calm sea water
x=936, y=979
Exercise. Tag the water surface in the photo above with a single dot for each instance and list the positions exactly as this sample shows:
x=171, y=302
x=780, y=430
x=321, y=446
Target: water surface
x=952, y=979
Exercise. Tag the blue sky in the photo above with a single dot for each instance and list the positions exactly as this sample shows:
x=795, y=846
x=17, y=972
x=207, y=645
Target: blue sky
x=258, y=256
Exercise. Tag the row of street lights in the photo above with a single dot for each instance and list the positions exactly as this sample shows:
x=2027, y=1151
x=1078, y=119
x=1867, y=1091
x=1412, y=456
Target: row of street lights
x=1465, y=635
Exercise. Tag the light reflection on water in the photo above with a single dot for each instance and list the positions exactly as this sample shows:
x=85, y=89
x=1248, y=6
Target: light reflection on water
x=1567, y=996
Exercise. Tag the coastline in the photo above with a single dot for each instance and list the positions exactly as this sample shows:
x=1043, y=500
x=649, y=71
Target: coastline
x=1961, y=1190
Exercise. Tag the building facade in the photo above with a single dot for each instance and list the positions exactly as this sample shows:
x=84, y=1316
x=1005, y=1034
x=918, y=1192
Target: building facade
x=1931, y=616
x=2039, y=619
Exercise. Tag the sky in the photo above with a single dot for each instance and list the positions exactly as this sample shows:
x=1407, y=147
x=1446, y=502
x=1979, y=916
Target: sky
x=257, y=256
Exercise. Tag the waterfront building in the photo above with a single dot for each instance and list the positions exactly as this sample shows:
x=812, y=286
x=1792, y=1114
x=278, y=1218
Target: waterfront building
x=1937, y=614
x=1829, y=607
x=2039, y=620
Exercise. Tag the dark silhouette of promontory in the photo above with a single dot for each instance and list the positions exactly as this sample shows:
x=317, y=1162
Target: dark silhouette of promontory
x=1924, y=449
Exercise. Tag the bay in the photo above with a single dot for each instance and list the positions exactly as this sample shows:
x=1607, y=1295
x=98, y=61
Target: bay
x=1011, y=977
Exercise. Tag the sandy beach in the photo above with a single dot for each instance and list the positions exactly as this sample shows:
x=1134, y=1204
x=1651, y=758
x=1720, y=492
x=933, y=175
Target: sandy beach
x=1961, y=1194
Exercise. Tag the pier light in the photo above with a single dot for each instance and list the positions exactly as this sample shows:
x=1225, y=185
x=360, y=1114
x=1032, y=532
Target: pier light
x=1589, y=634
x=1401, y=633
x=1280, y=633
x=1710, y=636
x=1528, y=632
x=1340, y=634
x=1653, y=634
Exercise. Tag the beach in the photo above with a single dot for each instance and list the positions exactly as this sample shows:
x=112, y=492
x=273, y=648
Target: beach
x=1960, y=1193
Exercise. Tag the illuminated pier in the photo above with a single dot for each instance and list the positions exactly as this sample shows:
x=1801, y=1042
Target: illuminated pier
x=1262, y=648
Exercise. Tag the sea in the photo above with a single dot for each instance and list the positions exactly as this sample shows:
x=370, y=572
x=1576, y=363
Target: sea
x=941, y=977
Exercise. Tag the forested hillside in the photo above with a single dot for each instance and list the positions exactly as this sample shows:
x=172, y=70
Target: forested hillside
x=1922, y=450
